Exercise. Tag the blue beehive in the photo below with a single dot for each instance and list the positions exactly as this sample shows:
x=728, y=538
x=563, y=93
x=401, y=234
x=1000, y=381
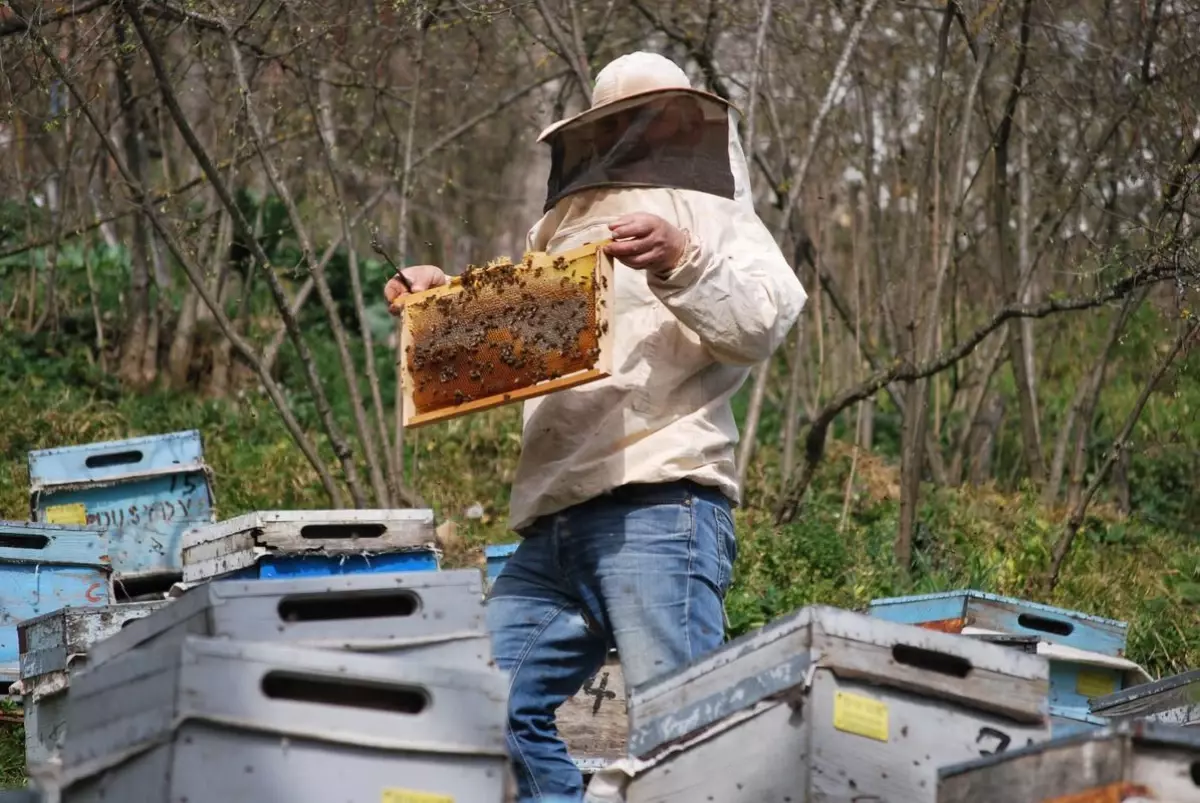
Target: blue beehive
x=951, y=611
x=270, y=567
x=44, y=568
x=1086, y=653
x=496, y=555
x=146, y=492
x=311, y=543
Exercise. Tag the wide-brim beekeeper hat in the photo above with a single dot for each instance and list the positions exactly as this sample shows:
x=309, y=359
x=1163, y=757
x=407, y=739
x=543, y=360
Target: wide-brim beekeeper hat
x=629, y=80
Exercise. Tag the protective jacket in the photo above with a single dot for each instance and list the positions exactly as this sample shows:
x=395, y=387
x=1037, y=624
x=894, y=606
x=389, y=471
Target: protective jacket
x=683, y=343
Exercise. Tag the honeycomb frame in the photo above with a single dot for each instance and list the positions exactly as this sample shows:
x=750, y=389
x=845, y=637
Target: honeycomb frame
x=505, y=332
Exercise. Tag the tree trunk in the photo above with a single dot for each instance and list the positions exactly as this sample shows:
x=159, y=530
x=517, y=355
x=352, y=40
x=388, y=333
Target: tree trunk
x=1083, y=406
x=976, y=397
x=981, y=441
x=1009, y=276
x=1086, y=417
x=920, y=340
x=137, y=300
x=183, y=344
x=1121, y=443
x=142, y=200
x=94, y=298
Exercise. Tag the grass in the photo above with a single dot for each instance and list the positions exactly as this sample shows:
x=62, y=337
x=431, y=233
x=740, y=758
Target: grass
x=1137, y=569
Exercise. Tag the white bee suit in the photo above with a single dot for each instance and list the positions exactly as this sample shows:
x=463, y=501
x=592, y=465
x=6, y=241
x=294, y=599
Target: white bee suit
x=683, y=343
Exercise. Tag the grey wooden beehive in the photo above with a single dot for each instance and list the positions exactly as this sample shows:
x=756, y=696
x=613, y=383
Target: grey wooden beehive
x=53, y=646
x=237, y=544
x=214, y=721
x=1130, y=761
x=436, y=615
x=1174, y=700
x=20, y=796
x=829, y=705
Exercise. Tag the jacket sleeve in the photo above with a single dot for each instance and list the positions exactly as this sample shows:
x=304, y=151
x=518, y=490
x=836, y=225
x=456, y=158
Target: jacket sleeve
x=733, y=288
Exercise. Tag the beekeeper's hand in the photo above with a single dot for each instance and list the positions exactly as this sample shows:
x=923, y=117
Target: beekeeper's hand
x=421, y=277
x=646, y=242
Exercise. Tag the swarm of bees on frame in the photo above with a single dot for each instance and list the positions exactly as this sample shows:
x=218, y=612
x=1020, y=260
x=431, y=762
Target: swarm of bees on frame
x=511, y=326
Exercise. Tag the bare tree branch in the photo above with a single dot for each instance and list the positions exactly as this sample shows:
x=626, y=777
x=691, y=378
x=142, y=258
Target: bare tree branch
x=761, y=372
x=245, y=351
x=324, y=410
x=1063, y=547
x=24, y=21
x=349, y=371
x=905, y=371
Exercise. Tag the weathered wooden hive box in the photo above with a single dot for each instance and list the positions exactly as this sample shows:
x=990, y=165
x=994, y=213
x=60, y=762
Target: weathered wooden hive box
x=215, y=721
x=1173, y=700
x=54, y=646
x=594, y=723
x=830, y=705
x=317, y=543
x=145, y=491
x=1129, y=762
x=506, y=332
x=1086, y=653
x=20, y=796
x=44, y=567
x=436, y=617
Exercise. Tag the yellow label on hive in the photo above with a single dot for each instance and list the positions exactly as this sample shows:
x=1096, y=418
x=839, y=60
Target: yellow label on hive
x=413, y=796
x=1095, y=683
x=66, y=514
x=859, y=715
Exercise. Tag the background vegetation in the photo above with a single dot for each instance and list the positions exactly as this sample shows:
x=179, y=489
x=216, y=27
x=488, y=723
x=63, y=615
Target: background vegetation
x=992, y=204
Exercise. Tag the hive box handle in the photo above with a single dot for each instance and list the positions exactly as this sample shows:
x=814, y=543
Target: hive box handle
x=344, y=692
x=1045, y=624
x=114, y=459
x=931, y=660
x=330, y=531
x=332, y=606
x=23, y=541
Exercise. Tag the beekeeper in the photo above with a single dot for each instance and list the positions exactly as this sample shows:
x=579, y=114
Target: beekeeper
x=624, y=488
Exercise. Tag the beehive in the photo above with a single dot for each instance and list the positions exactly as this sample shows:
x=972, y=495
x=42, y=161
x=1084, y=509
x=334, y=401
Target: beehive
x=506, y=332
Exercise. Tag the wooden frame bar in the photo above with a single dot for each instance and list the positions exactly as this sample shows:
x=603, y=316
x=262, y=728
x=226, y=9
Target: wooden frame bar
x=601, y=301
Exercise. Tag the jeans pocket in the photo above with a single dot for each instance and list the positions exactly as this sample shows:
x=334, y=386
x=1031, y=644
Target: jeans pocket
x=726, y=546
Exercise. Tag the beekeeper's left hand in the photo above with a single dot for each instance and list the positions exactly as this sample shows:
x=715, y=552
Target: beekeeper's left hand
x=646, y=242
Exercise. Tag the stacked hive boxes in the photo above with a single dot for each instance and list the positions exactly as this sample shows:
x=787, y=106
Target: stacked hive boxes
x=829, y=705
x=298, y=661
x=144, y=492
x=356, y=687
x=947, y=698
x=1124, y=763
x=53, y=647
x=44, y=570
x=111, y=519
x=311, y=543
x=1086, y=653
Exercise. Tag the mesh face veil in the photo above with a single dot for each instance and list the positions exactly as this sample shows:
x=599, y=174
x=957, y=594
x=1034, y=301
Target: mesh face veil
x=678, y=140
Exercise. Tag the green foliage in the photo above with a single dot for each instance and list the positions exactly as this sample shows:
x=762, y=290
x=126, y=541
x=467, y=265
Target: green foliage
x=12, y=747
x=1144, y=568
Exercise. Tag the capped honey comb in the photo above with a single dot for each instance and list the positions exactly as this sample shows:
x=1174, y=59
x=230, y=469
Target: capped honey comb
x=506, y=332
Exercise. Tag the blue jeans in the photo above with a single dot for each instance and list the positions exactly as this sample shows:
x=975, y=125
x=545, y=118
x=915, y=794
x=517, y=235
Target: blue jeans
x=643, y=569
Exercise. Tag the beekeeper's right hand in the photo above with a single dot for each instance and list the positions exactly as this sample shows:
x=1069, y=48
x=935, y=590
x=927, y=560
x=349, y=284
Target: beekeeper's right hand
x=421, y=277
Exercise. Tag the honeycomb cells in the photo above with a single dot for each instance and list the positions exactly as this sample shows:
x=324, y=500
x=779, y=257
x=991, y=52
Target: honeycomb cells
x=509, y=327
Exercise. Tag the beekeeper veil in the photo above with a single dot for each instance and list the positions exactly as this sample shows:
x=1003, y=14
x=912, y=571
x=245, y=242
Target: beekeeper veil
x=647, y=127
